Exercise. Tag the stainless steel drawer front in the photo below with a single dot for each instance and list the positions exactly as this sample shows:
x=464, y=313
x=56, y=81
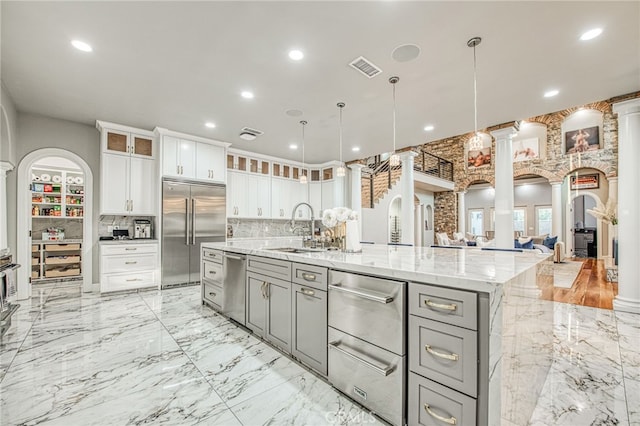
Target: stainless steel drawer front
x=444, y=304
x=310, y=276
x=212, y=255
x=271, y=267
x=370, y=375
x=432, y=404
x=372, y=309
x=444, y=353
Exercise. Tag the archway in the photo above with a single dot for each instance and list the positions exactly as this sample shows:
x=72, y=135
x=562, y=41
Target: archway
x=571, y=224
x=24, y=217
x=394, y=226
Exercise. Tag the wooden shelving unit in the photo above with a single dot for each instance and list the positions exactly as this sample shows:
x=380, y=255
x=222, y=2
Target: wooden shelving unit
x=55, y=259
x=63, y=199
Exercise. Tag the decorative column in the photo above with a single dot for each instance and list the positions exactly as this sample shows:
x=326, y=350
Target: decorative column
x=4, y=168
x=407, y=212
x=504, y=187
x=628, y=298
x=356, y=192
x=611, y=229
x=556, y=210
x=462, y=213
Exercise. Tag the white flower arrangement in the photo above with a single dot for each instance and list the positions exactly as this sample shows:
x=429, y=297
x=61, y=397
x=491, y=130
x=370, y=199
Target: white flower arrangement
x=336, y=215
x=606, y=213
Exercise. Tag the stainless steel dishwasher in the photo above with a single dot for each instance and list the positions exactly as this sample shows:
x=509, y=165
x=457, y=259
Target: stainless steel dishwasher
x=367, y=343
x=223, y=282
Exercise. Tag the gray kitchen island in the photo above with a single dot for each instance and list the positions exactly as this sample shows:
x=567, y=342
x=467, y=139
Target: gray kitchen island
x=417, y=335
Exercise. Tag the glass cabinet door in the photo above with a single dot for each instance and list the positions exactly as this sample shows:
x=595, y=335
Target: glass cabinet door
x=118, y=142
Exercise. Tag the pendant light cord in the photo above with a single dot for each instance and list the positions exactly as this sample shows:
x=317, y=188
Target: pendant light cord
x=341, y=105
x=303, y=124
x=394, y=118
x=475, y=92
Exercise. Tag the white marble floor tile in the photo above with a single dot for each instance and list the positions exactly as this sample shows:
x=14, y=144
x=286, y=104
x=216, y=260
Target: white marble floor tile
x=303, y=400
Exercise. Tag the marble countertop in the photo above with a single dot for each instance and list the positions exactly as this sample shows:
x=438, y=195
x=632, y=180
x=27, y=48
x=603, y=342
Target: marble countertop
x=468, y=268
x=133, y=241
x=65, y=241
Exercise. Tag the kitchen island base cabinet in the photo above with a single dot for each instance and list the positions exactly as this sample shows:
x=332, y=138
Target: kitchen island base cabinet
x=309, y=321
x=431, y=404
x=269, y=309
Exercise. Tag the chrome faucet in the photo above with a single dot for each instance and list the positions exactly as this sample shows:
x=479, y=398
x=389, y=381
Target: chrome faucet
x=293, y=219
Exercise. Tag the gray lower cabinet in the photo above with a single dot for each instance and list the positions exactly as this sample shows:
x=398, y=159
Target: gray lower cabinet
x=431, y=404
x=268, y=308
x=309, y=320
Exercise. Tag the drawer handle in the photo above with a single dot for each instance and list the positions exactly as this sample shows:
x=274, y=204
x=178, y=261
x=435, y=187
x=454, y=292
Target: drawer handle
x=451, y=307
x=131, y=248
x=212, y=294
x=383, y=371
x=451, y=357
x=212, y=272
x=134, y=279
x=451, y=420
x=380, y=298
x=307, y=292
x=233, y=257
x=130, y=263
x=308, y=277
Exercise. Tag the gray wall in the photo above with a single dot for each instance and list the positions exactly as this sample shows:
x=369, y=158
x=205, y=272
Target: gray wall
x=8, y=125
x=37, y=132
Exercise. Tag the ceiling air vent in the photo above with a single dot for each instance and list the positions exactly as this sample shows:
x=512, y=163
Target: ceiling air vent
x=365, y=66
x=249, y=134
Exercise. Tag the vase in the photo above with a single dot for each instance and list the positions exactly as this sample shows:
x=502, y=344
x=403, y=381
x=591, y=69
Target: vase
x=339, y=235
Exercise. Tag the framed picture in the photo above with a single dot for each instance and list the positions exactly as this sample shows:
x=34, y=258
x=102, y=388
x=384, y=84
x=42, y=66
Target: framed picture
x=585, y=181
x=526, y=149
x=582, y=140
x=480, y=158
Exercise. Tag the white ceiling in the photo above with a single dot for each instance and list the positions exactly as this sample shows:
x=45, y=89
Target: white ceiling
x=180, y=64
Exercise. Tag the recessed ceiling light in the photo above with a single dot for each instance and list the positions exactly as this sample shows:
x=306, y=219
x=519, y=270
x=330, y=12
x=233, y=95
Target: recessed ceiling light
x=247, y=95
x=210, y=125
x=591, y=34
x=355, y=149
x=296, y=55
x=81, y=45
x=551, y=93
x=428, y=128
x=293, y=146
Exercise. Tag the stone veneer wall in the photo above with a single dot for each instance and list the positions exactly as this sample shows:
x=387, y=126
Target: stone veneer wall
x=554, y=167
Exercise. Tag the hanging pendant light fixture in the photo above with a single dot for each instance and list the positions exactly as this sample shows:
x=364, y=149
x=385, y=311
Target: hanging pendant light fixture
x=475, y=143
x=341, y=171
x=394, y=159
x=303, y=177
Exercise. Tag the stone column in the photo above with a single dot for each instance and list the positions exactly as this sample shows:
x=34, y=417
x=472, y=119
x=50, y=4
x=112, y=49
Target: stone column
x=628, y=298
x=462, y=213
x=504, y=187
x=356, y=192
x=556, y=210
x=407, y=213
x=4, y=168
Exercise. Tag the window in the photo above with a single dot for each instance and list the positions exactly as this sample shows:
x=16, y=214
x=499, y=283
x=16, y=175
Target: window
x=543, y=220
x=476, y=219
x=520, y=220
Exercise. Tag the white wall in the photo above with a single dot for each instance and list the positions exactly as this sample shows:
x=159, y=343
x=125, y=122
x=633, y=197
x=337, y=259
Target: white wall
x=8, y=125
x=375, y=222
x=36, y=132
x=427, y=199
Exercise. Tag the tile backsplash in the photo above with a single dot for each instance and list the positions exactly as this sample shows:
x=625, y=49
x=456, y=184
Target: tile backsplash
x=72, y=227
x=266, y=228
x=123, y=222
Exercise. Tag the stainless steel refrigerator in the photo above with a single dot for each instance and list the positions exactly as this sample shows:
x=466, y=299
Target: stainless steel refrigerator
x=192, y=213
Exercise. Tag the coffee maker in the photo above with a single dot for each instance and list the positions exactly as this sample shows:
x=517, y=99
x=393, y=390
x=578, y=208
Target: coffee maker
x=142, y=229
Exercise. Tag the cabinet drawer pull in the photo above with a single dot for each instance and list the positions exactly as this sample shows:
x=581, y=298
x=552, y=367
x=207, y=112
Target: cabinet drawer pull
x=307, y=291
x=451, y=420
x=385, y=371
x=131, y=263
x=212, y=272
x=452, y=356
x=134, y=279
x=451, y=307
x=131, y=248
x=212, y=294
x=371, y=295
x=308, y=277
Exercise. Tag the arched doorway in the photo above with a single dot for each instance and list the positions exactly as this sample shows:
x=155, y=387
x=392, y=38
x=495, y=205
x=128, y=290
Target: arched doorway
x=576, y=218
x=24, y=214
x=394, y=234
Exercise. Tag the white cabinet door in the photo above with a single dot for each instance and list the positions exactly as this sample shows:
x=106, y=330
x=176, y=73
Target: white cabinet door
x=143, y=178
x=258, y=196
x=328, y=200
x=281, y=198
x=300, y=194
x=210, y=162
x=170, y=161
x=315, y=198
x=187, y=158
x=115, y=184
x=237, y=190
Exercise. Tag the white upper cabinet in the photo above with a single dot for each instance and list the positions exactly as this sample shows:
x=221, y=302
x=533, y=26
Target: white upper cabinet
x=128, y=183
x=192, y=157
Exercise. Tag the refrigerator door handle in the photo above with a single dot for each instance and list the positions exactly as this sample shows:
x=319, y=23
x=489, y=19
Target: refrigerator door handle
x=193, y=221
x=186, y=212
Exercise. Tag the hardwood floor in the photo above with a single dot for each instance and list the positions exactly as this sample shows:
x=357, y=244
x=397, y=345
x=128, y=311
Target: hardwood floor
x=589, y=289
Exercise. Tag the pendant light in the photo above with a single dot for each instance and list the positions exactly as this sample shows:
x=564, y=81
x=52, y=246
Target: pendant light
x=303, y=177
x=394, y=159
x=341, y=171
x=475, y=143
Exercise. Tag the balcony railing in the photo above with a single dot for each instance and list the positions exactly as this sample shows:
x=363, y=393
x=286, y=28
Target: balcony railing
x=433, y=165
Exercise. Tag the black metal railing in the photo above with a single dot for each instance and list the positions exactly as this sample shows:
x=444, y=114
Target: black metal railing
x=433, y=165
